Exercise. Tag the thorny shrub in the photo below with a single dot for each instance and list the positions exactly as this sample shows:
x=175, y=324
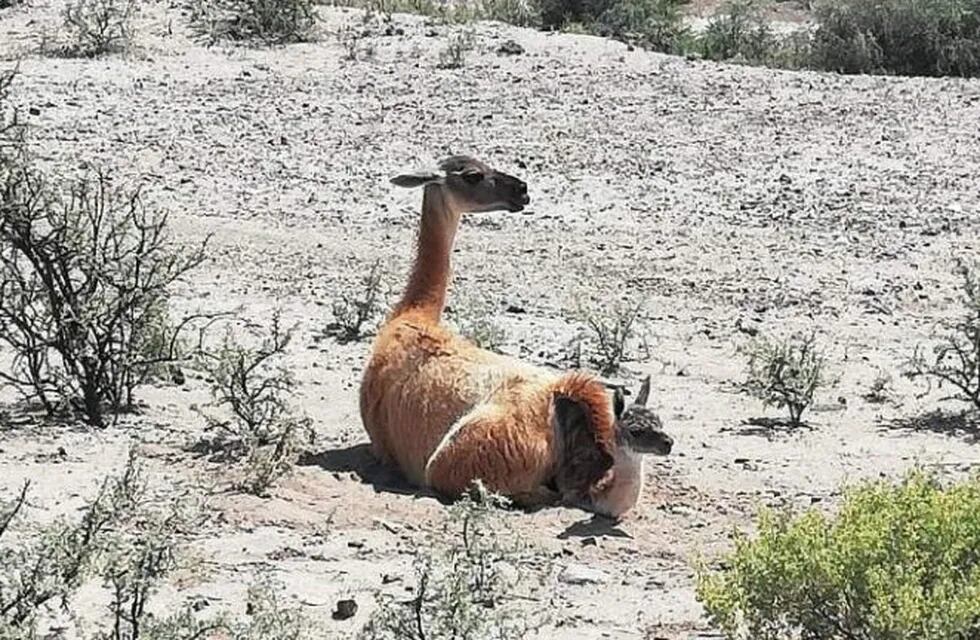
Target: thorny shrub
x=44, y=566
x=786, y=373
x=454, y=55
x=467, y=589
x=268, y=22
x=609, y=335
x=900, y=560
x=357, y=309
x=474, y=319
x=96, y=27
x=252, y=386
x=85, y=277
x=955, y=358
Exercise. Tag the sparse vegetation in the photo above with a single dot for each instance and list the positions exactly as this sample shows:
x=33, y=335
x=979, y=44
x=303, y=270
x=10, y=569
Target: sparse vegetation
x=738, y=31
x=268, y=22
x=610, y=334
x=85, y=275
x=44, y=566
x=474, y=319
x=262, y=430
x=357, y=309
x=786, y=373
x=467, y=589
x=880, y=390
x=955, y=358
x=97, y=27
x=454, y=55
x=899, y=561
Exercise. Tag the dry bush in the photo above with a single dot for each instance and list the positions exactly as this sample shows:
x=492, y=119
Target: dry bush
x=454, y=55
x=85, y=276
x=268, y=22
x=474, y=319
x=93, y=28
x=357, y=309
x=955, y=358
x=252, y=386
x=610, y=335
x=468, y=589
x=786, y=373
x=42, y=567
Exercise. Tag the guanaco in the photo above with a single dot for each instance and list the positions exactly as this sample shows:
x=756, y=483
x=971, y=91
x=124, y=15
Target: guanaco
x=448, y=413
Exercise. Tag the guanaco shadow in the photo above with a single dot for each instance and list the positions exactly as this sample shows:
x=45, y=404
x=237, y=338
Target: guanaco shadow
x=358, y=460
x=959, y=424
x=598, y=526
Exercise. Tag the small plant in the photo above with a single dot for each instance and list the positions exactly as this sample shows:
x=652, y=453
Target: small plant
x=262, y=430
x=356, y=310
x=43, y=566
x=955, y=359
x=899, y=561
x=467, y=590
x=739, y=31
x=266, y=21
x=880, y=391
x=474, y=320
x=97, y=27
x=609, y=335
x=454, y=55
x=84, y=281
x=786, y=373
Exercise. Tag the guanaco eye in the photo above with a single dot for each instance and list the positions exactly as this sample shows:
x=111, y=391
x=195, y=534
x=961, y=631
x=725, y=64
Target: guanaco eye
x=472, y=177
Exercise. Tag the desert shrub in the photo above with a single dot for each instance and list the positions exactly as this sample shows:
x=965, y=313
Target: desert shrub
x=252, y=386
x=906, y=37
x=357, y=308
x=786, y=373
x=467, y=589
x=955, y=358
x=899, y=561
x=42, y=566
x=264, y=21
x=454, y=55
x=609, y=334
x=96, y=27
x=85, y=275
x=880, y=390
x=654, y=24
x=738, y=30
x=474, y=319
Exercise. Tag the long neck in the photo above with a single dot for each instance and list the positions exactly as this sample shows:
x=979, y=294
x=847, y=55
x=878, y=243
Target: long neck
x=426, y=290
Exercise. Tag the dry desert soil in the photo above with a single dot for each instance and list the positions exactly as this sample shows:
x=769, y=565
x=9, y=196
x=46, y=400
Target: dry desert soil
x=728, y=199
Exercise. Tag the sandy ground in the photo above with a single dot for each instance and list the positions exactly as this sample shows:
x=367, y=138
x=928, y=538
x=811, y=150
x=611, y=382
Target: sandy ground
x=724, y=196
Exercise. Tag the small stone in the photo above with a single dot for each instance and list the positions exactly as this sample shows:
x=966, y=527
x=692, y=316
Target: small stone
x=578, y=574
x=510, y=48
x=346, y=609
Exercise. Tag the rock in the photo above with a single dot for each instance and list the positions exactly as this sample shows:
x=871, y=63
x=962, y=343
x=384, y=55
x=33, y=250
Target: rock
x=510, y=48
x=346, y=609
x=579, y=574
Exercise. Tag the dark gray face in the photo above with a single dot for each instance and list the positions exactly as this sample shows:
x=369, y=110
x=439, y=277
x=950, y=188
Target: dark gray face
x=472, y=185
x=639, y=427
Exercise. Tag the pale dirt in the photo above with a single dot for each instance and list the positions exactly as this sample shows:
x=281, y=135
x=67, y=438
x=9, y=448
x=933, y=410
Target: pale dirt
x=718, y=193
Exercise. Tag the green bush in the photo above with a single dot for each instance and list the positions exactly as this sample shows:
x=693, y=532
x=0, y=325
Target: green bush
x=264, y=21
x=901, y=560
x=655, y=24
x=786, y=373
x=739, y=30
x=905, y=37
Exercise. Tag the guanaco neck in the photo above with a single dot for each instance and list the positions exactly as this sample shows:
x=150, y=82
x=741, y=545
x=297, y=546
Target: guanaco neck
x=425, y=294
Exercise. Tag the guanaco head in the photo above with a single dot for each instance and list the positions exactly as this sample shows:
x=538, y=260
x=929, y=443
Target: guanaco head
x=470, y=185
x=598, y=474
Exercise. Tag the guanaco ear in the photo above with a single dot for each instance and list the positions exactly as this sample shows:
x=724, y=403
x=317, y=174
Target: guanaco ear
x=619, y=402
x=643, y=395
x=415, y=179
x=581, y=463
